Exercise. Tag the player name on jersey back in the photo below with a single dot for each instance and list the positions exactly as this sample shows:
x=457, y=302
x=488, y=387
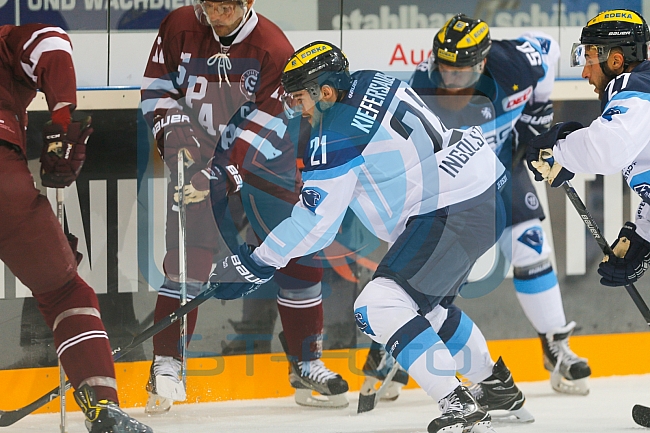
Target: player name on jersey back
x=374, y=98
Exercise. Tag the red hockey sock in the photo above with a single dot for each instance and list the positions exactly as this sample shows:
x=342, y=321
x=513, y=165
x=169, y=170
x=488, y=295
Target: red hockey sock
x=72, y=312
x=166, y=342
x=302, y=324
x=199, y=264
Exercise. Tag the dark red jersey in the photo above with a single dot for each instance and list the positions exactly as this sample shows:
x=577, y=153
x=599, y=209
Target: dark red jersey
x=231, y=93
x=33, y=57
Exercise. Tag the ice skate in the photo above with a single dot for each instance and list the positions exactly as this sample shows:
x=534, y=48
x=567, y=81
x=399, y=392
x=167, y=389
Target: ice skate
x=377, y=366
x=461, y=414
x=499, y=395
x=104, y=416
x=309, y=376
x=165, y=385
x=569, y=372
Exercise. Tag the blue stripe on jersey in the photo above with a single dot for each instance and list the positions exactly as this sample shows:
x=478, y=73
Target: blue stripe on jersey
x=536, y=285
x=333, y=172
x=627, y=95
x=411, y=341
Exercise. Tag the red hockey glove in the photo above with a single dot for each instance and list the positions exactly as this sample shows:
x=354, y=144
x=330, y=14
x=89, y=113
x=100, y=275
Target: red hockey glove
x=174, y=132
x=63, y=153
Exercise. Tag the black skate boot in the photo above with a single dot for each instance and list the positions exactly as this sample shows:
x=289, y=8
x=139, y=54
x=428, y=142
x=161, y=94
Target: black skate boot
x=308, y=376
x=461, y=414
x=569, y=372
x=377, y=366
x=105, y=416
x=499, y=393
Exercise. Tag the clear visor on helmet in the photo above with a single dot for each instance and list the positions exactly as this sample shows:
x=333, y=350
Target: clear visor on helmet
x=456, y=77
x=588, y=54
x=226, y=8
x=302, y=101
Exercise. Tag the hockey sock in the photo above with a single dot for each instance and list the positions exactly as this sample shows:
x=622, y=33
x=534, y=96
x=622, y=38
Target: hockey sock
x=72, y=312
x=199, y=264
x=466, y=344
x=302, y=322
x=421, y=352
x=540, y=298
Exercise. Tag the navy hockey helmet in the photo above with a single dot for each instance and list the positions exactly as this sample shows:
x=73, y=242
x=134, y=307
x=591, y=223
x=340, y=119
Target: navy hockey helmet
x=461, y=42
x=313, y=66
x=614, y=28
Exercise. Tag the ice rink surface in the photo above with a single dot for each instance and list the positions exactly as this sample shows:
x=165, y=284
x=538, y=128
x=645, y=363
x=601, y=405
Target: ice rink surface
x=606, y=409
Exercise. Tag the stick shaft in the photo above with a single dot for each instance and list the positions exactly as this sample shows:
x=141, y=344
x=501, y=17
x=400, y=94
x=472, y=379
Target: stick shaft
x=589, y=221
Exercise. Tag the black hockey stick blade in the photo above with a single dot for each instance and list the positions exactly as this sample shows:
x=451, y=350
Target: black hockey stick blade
x=589, y=221
x=368, y=402
x=8, y=418
x=641, y=415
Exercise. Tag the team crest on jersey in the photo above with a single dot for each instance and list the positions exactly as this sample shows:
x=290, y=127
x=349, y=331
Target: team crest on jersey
x=248, y=82
x=486, y=112
x=611, y=112
x=643, y=190
x=534, y=238
x=312, y=197
x=361, y=317
x=531, y=201
x=518, y=99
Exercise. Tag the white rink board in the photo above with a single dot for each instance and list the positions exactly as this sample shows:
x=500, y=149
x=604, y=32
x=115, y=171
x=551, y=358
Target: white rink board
x=606, y=410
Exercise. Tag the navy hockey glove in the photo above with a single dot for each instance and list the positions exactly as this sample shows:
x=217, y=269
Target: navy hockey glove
x=174, y=132
x=630, y=260
x=63, y=153
x=238, y=274
x=539, y=155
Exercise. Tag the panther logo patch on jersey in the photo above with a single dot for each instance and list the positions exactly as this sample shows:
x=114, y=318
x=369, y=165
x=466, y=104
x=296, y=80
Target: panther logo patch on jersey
x=361, y=317
x=643, y=190
x=312, y=197
x=611, y=112
x=248, y=82
x=534, y=238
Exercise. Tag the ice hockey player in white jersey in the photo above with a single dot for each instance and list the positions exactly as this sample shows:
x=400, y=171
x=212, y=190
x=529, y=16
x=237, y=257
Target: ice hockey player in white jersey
x=430, y=191
x=613, y=51
x=504, y=86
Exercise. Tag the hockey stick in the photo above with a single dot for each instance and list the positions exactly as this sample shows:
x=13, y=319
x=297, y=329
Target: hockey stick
x=182, y=259
x=62, y=380
x=369, y=401
x=602, y=243
x=8, y=418
x=641, y=415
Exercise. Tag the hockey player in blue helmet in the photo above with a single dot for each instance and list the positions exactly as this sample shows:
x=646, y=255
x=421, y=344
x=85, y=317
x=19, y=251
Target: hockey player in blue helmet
x=376, y=149
x=504, y=86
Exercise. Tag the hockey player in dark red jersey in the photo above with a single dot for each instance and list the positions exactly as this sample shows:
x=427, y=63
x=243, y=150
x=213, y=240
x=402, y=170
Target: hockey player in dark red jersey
x=32, y=242
x=213, y=76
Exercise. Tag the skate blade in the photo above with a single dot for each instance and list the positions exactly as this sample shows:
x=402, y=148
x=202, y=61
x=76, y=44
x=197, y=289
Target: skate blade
x=571, y=387
x=519, y=416
x=157, y=405
x=305, y=397
x=481, y=427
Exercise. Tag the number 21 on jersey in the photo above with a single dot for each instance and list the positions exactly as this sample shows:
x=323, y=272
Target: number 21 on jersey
x=318, y=150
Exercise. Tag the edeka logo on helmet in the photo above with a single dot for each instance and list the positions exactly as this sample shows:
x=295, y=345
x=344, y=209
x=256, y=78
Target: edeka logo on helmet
x=621, y=28
x=312, y=66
